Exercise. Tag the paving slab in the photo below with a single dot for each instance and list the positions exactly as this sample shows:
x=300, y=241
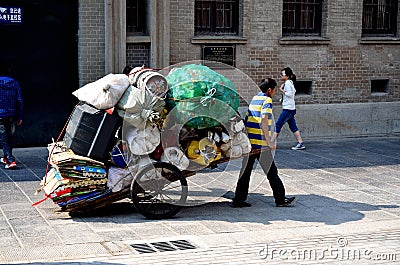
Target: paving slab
x=348, y=201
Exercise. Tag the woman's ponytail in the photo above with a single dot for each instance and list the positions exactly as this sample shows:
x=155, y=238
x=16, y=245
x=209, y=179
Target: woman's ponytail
x=290, y=74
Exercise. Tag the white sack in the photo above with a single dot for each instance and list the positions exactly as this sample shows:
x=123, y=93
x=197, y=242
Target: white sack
x=105, y=92
x=119, y=178
x=142, y=142
x=238, y=146
x=130, y=97
x=176, y=157
x=139, y=107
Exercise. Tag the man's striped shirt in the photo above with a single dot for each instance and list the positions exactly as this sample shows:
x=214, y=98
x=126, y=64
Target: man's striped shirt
x=260, y=105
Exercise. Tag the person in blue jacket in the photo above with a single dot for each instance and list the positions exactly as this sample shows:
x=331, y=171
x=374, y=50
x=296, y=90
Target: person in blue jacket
x=10, y=113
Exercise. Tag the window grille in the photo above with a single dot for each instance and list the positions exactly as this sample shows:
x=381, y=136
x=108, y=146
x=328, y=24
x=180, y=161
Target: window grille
x=302, y=17
x=135, y=17
x=379, y=17
x=216, y=17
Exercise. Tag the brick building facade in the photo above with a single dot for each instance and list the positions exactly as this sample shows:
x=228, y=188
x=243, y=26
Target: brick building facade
x=340, y=68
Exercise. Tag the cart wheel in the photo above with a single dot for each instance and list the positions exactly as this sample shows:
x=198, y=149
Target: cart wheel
x=159, y=190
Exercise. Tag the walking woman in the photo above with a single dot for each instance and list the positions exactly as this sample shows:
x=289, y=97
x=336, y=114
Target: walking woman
x=288, y=108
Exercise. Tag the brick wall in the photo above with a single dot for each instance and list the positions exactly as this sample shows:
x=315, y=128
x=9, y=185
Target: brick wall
x=182, y=30
x=137, y=54
x=91, y=47
x=340, y=70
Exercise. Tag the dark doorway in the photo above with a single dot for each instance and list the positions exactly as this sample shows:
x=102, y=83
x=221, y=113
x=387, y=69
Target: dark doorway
x=43, y=54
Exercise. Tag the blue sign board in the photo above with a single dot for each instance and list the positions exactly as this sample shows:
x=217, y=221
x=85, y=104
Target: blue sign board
x=10, y=15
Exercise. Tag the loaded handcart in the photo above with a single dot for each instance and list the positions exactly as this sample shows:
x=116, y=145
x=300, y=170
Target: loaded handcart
x=141, y=135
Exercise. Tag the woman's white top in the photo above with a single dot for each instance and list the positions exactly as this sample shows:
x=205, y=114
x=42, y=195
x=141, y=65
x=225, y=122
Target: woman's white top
x=288, y=97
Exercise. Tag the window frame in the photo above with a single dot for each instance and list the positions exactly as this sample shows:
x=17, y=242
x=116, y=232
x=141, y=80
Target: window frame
x=206, y=19
x=138, y=25
x=294, y=26
x=390, y=24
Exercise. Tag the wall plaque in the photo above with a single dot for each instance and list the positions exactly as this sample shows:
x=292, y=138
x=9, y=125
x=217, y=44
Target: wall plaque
x=219, y=53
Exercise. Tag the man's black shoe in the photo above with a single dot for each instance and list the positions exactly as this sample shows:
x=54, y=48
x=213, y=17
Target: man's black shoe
x=287, y=203
x=240, y=204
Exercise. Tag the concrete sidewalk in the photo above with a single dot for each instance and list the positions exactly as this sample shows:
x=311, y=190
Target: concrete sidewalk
x=347, y=212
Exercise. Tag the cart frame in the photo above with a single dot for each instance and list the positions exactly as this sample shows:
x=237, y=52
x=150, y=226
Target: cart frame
x=147, y=193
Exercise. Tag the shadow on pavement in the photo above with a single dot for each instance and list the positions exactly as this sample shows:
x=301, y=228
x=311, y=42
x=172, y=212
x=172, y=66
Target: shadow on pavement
x=113, y=209
x=308, y=208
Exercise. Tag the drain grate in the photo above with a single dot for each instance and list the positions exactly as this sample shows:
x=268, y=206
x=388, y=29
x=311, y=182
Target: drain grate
x=183, y=244
x=143, y=248
x=163, y=246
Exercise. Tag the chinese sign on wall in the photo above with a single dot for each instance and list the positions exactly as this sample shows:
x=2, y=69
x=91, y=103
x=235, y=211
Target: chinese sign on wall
x=223, y=54
x=10, y=15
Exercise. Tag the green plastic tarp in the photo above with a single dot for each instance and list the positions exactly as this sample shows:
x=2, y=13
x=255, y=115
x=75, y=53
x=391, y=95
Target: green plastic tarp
x=199, y=97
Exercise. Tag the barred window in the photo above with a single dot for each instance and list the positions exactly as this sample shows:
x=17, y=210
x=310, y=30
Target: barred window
x=216, y=17
x=302, y=17
x=135, y=17
x=379, y=18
